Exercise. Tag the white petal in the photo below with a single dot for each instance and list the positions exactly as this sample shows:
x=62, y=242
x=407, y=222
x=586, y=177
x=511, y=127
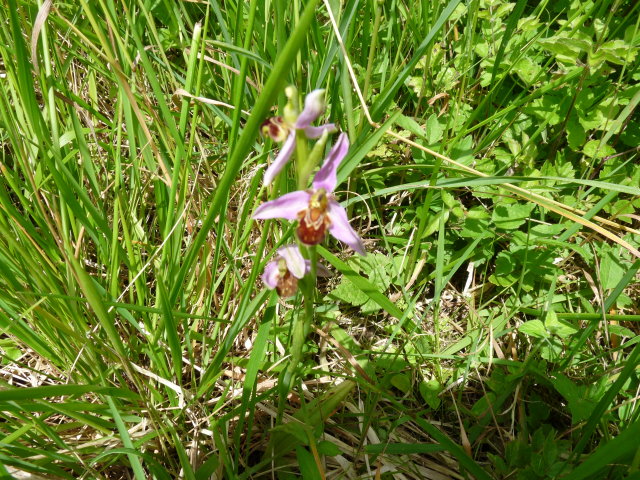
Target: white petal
x=313, y=108
x=294, y=259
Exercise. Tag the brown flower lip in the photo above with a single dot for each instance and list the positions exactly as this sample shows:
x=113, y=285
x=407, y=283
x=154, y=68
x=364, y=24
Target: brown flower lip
x=314, y=221
x=276, y=128
x=287, y=285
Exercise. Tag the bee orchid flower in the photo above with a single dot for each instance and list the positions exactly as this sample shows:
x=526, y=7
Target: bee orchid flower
x=283, y=129
x=316, y=209
x=288, y=267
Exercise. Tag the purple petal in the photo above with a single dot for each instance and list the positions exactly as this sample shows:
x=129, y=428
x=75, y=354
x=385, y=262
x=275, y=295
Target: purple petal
x=294, y=259
x=286, y=206
x=282, y=158
x=327, y=177
x=341, y=229
x=313, y=108
x=316, y=132
x=271, y=274
x=321, y=270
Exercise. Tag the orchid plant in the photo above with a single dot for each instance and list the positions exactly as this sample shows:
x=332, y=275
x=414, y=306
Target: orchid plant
x=315, y=209
x=284, y=128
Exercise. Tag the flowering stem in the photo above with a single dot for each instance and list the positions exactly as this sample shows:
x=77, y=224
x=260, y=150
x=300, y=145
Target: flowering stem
x=301, y=327
x=302, y=154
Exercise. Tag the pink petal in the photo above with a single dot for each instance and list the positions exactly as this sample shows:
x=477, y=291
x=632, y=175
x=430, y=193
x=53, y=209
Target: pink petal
x=321, y=270
x=286, y=206
x=313, y=108
x=282, y=158
x=294, y=259
x=271, y=274
x=341, y=229
x=327, y=176
x=316, y=132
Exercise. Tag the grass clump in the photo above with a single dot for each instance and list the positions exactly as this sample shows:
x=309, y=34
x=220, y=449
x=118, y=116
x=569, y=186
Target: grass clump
x=491, y=331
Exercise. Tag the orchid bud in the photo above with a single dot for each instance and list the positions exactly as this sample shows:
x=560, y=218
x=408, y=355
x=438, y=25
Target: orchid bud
x=292, y=108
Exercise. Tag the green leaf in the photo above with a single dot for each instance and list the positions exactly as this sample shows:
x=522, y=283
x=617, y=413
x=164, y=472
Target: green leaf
x=551, y=350
x=328, y=448
x=307, y=463
x=434, y=129
x=402, y=382
x=527, y=70
x=296, y=430
x=596, y=149
x=504, y=270
x=581, y=400
x=617, y=52
x=549, y=108
x=476, y=224
x=565, y=49
x=430, y=392
x=377, y=269
x=576, y=134
x=463, y=150
x=561, y=328
x=511, y=216
x=623, y=446
x=534, y=328
x=611, y=268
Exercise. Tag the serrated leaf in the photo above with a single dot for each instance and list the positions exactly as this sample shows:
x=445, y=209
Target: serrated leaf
x=377, y=268
x=349, y=293
x=511, y=216
x=527, y=70
x=565, y=49
x=550, y=108
x=580, y=399
x=416, y=84
x=597, y=149
x=600, y=116
x=476, y=224
x=617, y=52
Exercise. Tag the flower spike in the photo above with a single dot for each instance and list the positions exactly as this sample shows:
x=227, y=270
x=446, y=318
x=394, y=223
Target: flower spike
x=284, y=129
x=316, y=209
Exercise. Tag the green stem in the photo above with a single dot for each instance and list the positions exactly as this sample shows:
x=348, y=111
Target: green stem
x=302, y=154
x=301, y=328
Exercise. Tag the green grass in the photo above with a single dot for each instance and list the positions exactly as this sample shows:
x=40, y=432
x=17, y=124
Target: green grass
x=492, y=331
